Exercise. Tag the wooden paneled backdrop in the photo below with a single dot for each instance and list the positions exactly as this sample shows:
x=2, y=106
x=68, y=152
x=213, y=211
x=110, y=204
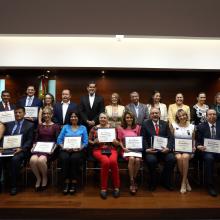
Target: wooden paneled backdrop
x=168, y=82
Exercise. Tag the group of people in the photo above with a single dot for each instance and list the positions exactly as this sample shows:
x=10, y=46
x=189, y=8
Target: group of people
x=57, y=121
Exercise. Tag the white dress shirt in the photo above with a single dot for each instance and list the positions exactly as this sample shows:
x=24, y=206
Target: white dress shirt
x=65, y=106
x=91, y=99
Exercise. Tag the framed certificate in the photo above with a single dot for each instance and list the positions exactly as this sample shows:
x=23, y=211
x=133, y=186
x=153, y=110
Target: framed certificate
x=212, y=145
x=106, y=135
x=31, y=112
x=133, y=143
x=132, y=154
x=7, y=116
x=44, y=147
x=160, y=142
x=72, y=142
x=183, y=145
x=12, y=141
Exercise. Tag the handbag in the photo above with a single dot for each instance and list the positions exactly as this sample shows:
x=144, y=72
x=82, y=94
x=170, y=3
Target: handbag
x=106, y=151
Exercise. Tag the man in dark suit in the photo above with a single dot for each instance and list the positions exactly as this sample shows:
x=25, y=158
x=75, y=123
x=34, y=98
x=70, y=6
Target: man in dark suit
x=138, y=109
x=30, y=101
x=156, y=127
x=63, y=109
x=25, y=128
x=210, y=130
x=5, y=104
x=91, y=106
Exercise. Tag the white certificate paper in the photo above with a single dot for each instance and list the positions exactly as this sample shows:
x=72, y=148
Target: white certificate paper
x=31, y=112
x=160, y=142
x=132, y=154
x=134, y=143
x=212, y=145
x=72, y=142
x=44, y=147
x=183, y=145
x=7, y=116
x=12, y=141
x=106, y=135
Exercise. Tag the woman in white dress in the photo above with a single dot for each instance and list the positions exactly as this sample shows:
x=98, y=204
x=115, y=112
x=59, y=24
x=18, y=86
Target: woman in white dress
x=155, y=101
x=181, y=128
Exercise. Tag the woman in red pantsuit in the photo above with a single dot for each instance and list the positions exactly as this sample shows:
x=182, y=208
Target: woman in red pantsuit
x=108, y=160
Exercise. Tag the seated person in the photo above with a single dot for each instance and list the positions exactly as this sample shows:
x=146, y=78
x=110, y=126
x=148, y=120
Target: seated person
x=25, y=128
x=70, y=158
x=46, y=132
x=107, y=162
x=156, y=127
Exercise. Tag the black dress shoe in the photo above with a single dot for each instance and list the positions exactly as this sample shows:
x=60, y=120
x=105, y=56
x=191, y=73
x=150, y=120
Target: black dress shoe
x=13, y=191
x=43, y=188
x=212, y=191
x=103, y=194
x=65, y=188
x=72, y=188
x=116, y=193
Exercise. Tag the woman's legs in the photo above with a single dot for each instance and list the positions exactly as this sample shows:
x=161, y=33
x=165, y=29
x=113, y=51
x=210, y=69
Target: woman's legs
x=34, y=167
x=42, y=166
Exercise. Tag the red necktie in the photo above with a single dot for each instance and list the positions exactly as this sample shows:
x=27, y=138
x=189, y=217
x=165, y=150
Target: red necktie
x=156, y=129
x=6, y=107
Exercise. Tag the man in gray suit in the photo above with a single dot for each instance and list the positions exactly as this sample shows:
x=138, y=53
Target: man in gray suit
x=140, y=110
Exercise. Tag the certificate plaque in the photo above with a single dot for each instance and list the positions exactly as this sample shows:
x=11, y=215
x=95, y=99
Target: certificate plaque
x=132, y=154
x=183, y=145
x=44, y=147
x=106, y=135
x=12, y=141
x=160, y=142
x=72, y=142
x=7, y=116
x=133, y=143
x=31, y=112
x=212, y=145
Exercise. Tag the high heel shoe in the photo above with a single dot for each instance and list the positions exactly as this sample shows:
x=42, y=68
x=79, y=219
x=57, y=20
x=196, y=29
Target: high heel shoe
x=132, y=187
x=188, y=187
x=65, y=188
x=183, y=188
x=72, y=188
x=37, y=188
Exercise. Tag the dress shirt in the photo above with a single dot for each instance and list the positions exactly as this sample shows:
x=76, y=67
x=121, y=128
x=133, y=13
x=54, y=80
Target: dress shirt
x=65, y=106
x=6, y=106
x=213, y=134
x=136, y=107
x=91, y=99
x=17, y=123
x=29, y=100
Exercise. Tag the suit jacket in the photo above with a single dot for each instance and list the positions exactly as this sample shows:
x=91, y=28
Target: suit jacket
x=27, y=131
x=2, y=108
x=88, y=113
x=36, y=102
x=148, y=132
x=58, y=113
x=142, y=112
x=203, y=131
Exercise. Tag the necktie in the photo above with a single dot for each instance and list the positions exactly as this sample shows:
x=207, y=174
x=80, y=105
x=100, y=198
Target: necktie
x=156, y=129
x=17, y=128
x=29, y=101
x=6, y=107
x=213, y=134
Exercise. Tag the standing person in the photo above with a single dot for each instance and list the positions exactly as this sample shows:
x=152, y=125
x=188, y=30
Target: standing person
x=63, y=109
x=138, y=109
x=177, y=105
x=70, y=158
x=107, y=162
x=5, y=104
x=25, y=128
x=91, y=105
x=181, y=128
x=46, y=132
x=48, y=101
x=211, y=130
x=30, y=101
x=115, y=110
x=156, y=127
x=155, y=101
x=129, y=128
x=198, y=112
x=216, y=105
